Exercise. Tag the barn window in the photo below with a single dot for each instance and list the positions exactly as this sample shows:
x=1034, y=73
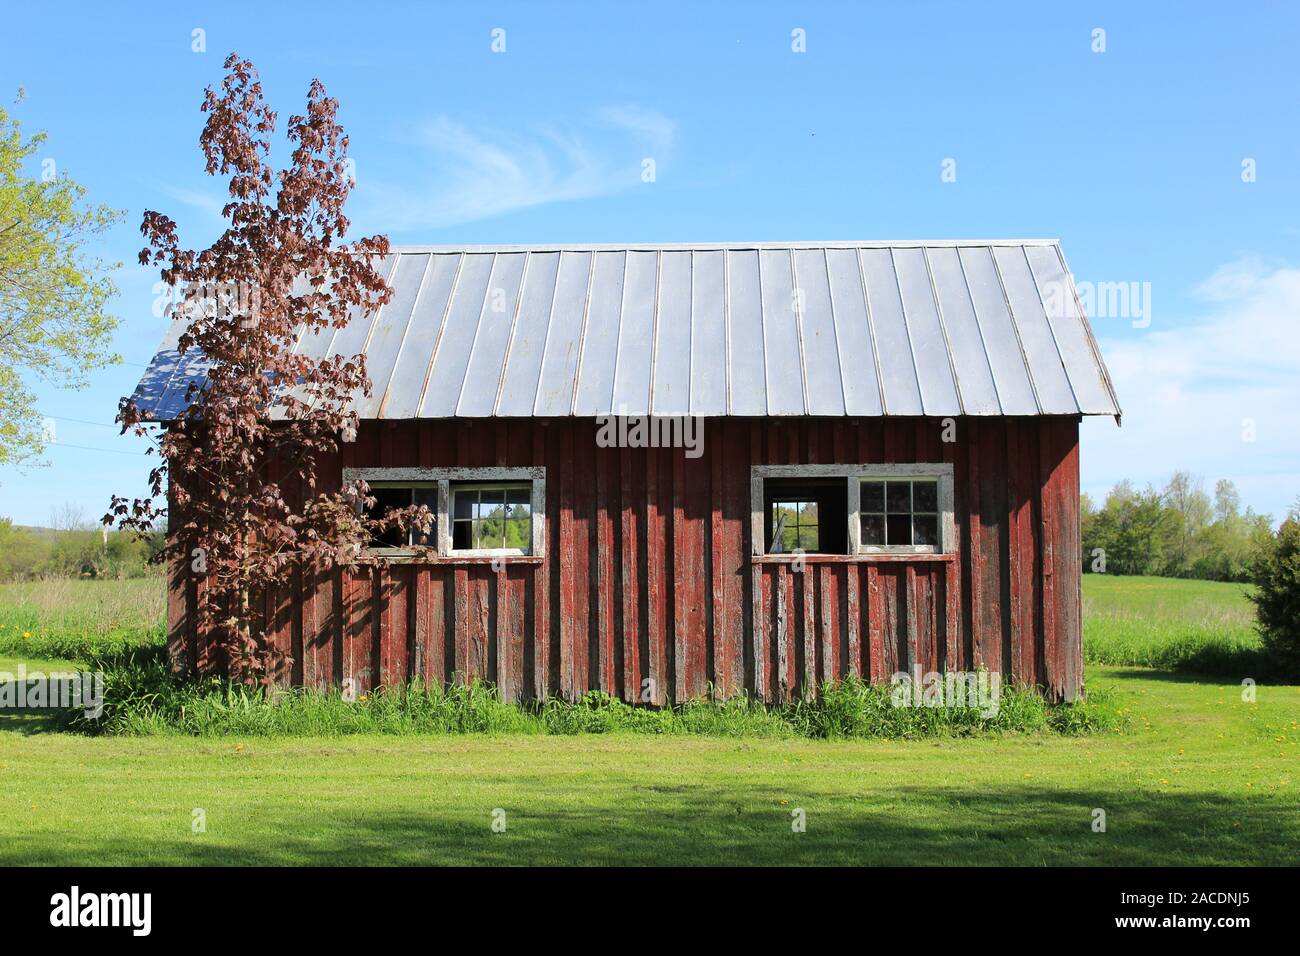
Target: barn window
x=887, y=509
x=479, y=512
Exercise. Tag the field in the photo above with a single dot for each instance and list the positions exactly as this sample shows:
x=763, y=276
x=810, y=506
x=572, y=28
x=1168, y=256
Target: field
x=1202, y=776
x=57, y=621
x=1200, y=626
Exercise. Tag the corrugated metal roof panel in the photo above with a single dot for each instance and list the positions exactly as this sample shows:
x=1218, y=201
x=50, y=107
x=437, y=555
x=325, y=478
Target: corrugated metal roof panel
x=858, y=362
x=930, y=352
x=784, y=374
x=708, y=388
x=867, y=328
x=554, y=387
x=523, y=365
x=478, y=396
x=979, y=394
x=902, y=390
x=450, y=360
x=671, y=387
x=998, y=329
x=823, y=376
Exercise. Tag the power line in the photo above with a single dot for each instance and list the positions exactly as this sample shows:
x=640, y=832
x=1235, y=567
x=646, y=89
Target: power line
x=111, y=451
x=79, y=421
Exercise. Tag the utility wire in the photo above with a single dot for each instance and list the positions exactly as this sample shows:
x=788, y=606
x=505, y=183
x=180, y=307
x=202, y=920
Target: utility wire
x=111, y=451
x=79, y=421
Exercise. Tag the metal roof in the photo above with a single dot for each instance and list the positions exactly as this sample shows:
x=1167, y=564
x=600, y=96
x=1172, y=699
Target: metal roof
x=991, y=327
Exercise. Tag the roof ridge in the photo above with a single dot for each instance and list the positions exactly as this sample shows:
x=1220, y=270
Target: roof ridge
x=452, y=248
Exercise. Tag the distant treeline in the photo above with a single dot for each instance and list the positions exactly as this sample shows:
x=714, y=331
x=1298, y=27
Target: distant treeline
x=1178, y=531
x=74, y=552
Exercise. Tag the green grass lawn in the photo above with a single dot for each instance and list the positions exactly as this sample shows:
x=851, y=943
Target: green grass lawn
x=1203, y=777
x=1206, y=779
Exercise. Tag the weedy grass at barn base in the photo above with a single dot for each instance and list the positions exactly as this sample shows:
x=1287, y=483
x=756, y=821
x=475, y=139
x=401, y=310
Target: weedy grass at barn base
x=142, y=698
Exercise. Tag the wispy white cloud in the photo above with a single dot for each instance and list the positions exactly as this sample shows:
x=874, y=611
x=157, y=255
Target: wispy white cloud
x=208, y=203
x=1193, y=389
x=475, y=173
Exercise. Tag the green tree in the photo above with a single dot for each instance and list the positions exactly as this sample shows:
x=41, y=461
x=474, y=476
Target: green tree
x=1226, y=547
x=20, y=551
x=1189, y=515
x=1277, y=594
x=53, y=294
x=1132, y=529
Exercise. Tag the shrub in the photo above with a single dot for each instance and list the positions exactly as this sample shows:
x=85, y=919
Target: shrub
x=1277, y=596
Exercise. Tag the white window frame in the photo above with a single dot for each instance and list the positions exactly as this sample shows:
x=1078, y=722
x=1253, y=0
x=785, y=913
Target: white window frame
x=941, y=472
x=443, y=479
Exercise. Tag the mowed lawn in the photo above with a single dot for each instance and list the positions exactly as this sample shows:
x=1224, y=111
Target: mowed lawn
x=1203, y=777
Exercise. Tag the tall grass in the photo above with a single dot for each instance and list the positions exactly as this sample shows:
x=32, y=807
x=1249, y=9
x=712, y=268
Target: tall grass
x=142, y=698
x=1203, y=627
x=74, y=619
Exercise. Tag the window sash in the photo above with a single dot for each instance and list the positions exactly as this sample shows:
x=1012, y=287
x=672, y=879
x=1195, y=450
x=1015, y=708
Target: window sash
x=889, y=509
x=941, y=473
x=476, y=520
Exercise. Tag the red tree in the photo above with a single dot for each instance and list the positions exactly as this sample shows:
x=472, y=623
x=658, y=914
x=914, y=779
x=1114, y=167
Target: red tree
x=241, y=459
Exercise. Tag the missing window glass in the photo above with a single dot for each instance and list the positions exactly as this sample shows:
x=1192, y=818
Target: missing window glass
x=395, y=497
x=806, y=514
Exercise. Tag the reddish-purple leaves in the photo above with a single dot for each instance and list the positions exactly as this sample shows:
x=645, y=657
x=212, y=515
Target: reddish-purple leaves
x=246, y=512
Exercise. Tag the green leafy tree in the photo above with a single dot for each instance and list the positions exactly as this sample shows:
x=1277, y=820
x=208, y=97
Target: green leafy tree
x=1178, y=532
x=1226, y=547
x=1190, y=514
x=1132, y=529
x=53, y=293
x=20, y=551
x=1277, y=594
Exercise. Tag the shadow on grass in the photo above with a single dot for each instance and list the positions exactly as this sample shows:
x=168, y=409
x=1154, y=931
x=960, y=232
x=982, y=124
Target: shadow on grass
x=722, y=826
x=31, y=722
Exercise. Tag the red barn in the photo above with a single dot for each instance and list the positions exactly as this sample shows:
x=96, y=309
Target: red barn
x=660, y=469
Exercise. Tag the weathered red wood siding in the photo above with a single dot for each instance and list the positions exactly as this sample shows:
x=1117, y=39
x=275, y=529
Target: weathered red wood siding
x=648, y=589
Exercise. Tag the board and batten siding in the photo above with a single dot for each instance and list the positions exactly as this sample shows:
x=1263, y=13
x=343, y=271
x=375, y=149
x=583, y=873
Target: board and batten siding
x=648, y=574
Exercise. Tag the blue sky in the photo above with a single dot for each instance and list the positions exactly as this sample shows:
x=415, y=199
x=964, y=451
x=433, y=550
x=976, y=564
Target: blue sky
x=1133, y=157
